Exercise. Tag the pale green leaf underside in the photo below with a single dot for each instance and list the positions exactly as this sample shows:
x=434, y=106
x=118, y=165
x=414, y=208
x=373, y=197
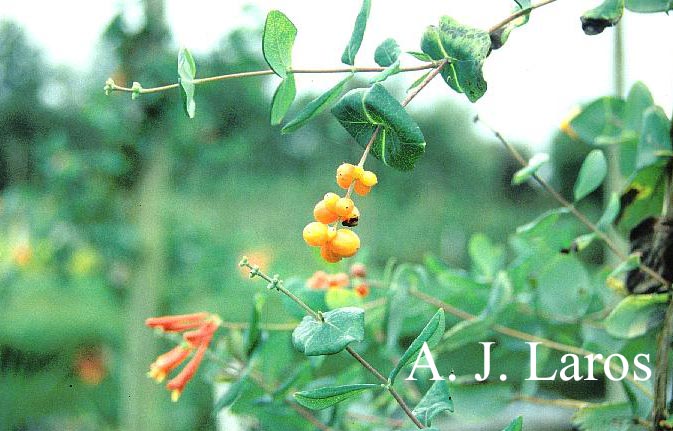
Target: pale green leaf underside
x=318, y=399
x=340, y=327
x=435, y=401
x=277, y=42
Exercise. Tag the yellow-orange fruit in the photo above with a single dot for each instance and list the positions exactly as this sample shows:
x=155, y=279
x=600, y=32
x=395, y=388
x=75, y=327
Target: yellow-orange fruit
x=361, y=189
x=315, y=234
x=330, y=200
x=331, y=233
x=343, y=207
x=328, y=254
x=353, y=218
x=323, y=215
x=362, y=290
x=357, y=172
x=368, y=178
x=344, y=175
x=345, y=244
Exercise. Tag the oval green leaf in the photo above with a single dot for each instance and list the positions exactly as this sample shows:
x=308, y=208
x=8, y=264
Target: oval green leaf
x=524, y=174
x=318, y=399
x=636, y=315
x=649, y=6
x=340, y=327
x=399, y=142
x=316, y=106
x=655, y=139
x=282, y=99
x=435, y=401
x=186, y=74
x=466, y=48
x=387, y=53
x=277, y=42
x=432, y=334
x=592, y=173
x=348, y=56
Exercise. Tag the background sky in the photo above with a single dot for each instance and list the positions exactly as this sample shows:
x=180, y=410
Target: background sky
x=547, y=67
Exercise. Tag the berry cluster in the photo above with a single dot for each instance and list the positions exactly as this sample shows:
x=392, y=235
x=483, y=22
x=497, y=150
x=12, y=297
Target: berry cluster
x=334, y=243
x=322, y=280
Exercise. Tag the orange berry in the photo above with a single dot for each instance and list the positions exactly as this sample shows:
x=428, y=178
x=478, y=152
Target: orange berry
x=331, y=233
x=346, y=243
x=330, y=200
x=339, y=279
x=344, y=175
x=315, y=234
x=327, y=254
x=318, y=280
x=361, y=189
x=358, y=171
x=343, y=207
x=368, y=178
x=322, y=214
x=362, y=290
x=358, y=270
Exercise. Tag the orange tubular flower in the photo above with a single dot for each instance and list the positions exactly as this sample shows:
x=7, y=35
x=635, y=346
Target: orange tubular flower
x=177, y=384
x=167, y=362
x=204, y=334
x=178, y=323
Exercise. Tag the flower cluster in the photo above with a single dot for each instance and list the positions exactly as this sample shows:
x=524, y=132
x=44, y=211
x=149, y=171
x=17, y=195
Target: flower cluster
x=198, y=330
x=334, y=243
x=341, y=280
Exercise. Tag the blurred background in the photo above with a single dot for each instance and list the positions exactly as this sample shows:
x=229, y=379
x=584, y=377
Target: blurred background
x=114, y=210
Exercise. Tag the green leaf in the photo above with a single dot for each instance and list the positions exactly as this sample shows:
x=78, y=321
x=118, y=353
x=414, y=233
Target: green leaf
x=348, y=56
x=340, y=327
x=600, y=122
x=253, y=334
x=487, y=258
x=649, y=6
x=466, y=48
x=420, y=56
x=516, y=425
x=316, y=106
x=466, y=332
x=655, y=139
x=282, y=99
x=563, y=289
x=500, y=36
x=400, y=141
x=636, y=315
x=583, y=241
x=420, y=79
x=318, y=399
x=431, y=334
x=231, y=395
x=435, y=401
x=592, y=173
x=610, y=214
x=643, y=197
x=524, y=174
x=629, y=264
x=391, y=70
x=606, y=417
x=542, y=223
x=638, y=101
x=387, y=53
x=607, y=14
x=500, y=296
x=277, y=42
x=186, y=74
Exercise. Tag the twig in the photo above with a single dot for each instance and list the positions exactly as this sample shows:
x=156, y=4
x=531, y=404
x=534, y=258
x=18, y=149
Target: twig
x=514, y=333
x=518, y=14
x=564, y=403
x=577, y=213
x=115, y=87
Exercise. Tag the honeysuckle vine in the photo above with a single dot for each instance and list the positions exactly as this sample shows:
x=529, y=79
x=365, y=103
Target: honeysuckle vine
x=382, y=127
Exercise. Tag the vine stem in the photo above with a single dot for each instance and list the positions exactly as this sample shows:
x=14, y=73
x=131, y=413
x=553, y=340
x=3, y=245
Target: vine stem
x=518, y=14
x=514, y=333
x=659, y=410
x=369, y=69
x=570, y=207
x=277, y=284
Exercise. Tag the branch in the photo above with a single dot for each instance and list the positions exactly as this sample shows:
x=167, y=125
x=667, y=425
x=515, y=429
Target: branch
x=514, y=333
x=518, y=14
x=574, y=211
x=112, y=86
